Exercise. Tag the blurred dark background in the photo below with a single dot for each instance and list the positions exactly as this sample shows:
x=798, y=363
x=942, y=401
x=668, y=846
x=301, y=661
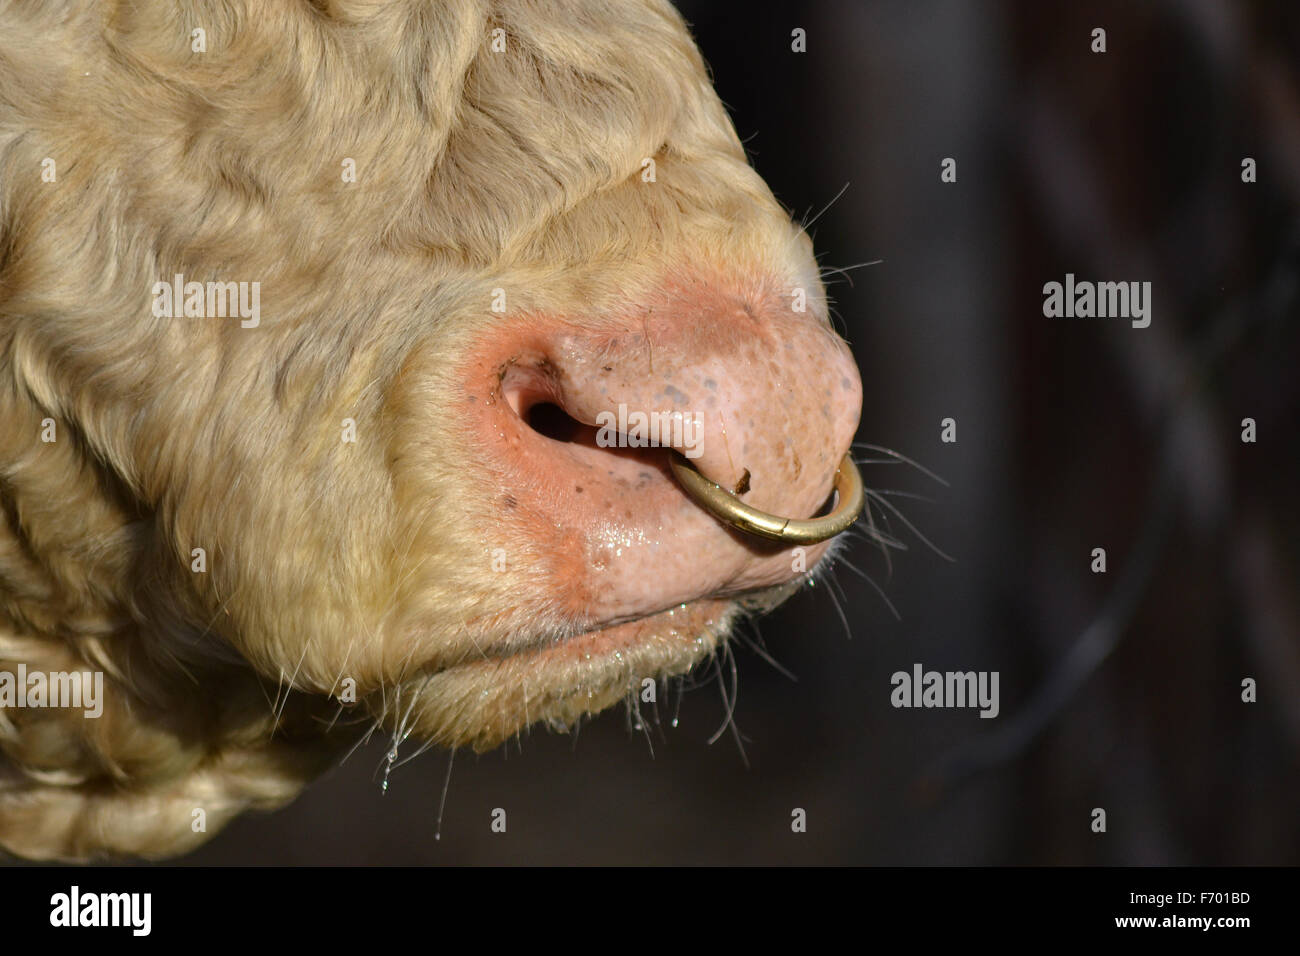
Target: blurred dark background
x=1119, y=690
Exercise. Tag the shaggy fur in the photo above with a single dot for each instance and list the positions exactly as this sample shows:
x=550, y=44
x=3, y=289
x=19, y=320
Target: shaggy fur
x=475, y=170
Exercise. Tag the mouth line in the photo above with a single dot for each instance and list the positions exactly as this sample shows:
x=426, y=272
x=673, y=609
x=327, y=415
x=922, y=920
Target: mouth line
x=646, y=627
x=645, y=624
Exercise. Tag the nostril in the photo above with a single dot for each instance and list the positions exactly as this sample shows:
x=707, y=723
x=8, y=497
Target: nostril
x=533, y=395
x=538, y=409
x=553, y=422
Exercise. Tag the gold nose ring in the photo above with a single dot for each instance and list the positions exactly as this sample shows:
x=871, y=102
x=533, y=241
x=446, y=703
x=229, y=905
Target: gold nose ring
x=730, y=510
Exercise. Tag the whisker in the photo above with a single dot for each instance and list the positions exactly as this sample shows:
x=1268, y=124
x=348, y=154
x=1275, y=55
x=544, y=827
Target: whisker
x=729, y=702
x=874, y=535
x=878, y=589
x=824, y=271
x=882, y=538
x=446, y=785
x=374, y=725
x=830, y=578
x=901, y=457
x=757, y=647
x=893, y=492
x=834, y=199
x=884, y=502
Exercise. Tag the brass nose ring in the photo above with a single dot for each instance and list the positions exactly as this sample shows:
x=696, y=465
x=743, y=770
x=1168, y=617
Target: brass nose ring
x=730, y=510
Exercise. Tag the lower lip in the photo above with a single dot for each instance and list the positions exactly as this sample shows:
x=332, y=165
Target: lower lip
x=481, y=703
